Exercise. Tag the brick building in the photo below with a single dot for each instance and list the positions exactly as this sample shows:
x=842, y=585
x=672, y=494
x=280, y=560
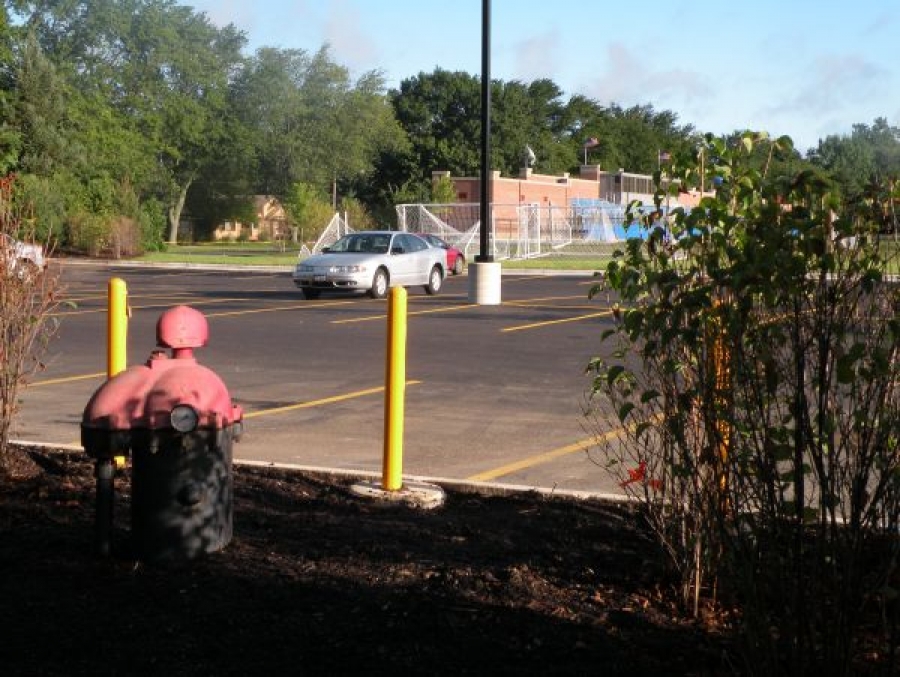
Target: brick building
x=546, y=190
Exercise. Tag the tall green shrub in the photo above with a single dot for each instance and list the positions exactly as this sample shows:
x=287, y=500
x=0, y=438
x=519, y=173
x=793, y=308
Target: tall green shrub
x=754, y=372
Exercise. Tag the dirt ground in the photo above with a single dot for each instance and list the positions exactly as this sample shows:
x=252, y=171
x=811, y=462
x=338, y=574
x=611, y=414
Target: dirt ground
x=317, y=581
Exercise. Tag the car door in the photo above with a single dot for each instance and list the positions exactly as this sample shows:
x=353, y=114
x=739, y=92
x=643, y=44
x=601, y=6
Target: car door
x=420, y=259
x=403, y=261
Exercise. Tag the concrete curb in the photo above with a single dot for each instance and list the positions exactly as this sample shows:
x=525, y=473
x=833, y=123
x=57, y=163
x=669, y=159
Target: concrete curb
x=419, y=481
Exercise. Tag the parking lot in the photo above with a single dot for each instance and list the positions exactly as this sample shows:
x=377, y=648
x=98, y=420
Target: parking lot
x=494, y=393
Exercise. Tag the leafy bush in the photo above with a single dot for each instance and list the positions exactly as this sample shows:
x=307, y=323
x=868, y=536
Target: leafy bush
x=755, y=373
x=28, y=297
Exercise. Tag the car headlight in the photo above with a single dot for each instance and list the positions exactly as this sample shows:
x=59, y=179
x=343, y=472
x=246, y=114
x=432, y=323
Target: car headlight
x=303, y=268
x=348, y=269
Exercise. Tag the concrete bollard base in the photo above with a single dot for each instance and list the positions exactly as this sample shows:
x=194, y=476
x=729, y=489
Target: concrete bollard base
x=414, y=494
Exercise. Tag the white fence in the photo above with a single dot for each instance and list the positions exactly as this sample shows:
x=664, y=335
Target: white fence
x=520, y=231
x=336, y=229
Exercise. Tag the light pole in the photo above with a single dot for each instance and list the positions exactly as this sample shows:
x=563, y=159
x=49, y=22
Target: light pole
x=484, y=273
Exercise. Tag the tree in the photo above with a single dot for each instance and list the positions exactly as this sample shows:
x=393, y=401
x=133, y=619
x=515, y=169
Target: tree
x=165, y=67
x=307, y=209
x=308, y=122
x=441, y=114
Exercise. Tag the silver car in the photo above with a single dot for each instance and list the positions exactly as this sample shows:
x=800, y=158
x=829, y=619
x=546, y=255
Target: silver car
x=373, y=261
x=21, y=258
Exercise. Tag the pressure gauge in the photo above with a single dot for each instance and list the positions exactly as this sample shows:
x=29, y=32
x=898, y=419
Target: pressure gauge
x=184, y=418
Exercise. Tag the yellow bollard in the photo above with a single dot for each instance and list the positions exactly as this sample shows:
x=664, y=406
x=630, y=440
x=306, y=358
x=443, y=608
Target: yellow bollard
x=395, y=391
x=117, y=335
x=117, y=327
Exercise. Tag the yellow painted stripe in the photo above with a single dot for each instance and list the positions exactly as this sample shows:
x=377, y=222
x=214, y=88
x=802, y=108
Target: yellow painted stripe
x=319, y=403
x=308, y=305
x=149, y=306
x=67, y=379
x=538, y=459
x=537, y=325
x=370, y=318
x=525, y=302
x=103, y=297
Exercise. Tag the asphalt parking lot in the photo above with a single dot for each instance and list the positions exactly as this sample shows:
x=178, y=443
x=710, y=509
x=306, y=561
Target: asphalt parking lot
x=494, y=393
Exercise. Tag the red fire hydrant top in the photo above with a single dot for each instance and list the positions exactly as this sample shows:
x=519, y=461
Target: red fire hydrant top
x=143, y=396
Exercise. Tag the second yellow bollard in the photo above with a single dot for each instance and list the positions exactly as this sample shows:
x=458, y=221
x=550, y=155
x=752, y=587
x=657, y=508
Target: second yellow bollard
x=395, y=391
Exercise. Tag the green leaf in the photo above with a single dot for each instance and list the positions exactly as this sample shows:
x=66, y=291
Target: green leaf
x=648, y=395
x=624, y=410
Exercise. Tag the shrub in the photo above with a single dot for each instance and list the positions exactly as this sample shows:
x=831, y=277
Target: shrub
x=754, y=370
x=28, y=297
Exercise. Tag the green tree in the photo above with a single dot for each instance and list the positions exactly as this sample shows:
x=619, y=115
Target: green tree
x=440, y=113
x=442, y=191
x=308, y=210
x=164, y=66
x=308, y=121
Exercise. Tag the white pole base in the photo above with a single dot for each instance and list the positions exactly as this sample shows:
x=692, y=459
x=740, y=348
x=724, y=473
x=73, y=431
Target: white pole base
x=484, y=283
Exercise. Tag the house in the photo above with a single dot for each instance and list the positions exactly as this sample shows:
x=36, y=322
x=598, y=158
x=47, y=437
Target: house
x=270, y=223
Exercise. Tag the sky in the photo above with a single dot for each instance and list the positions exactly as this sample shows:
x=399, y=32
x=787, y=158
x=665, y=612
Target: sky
x=805, y=68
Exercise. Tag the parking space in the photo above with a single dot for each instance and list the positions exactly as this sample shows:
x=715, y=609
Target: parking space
x=494, y=392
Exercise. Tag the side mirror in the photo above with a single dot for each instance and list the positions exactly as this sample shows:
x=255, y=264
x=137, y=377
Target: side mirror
x=326, y=249
x=397, y=249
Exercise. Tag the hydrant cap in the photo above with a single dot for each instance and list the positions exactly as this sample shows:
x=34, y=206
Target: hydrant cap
x=182, y=327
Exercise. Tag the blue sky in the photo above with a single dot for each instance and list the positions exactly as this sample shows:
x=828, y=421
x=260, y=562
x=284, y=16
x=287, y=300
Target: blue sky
x=806, y=68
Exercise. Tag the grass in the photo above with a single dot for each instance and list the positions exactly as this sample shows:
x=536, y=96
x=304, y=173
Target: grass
x=590, y=257
x=267, y=254
x=243, y=257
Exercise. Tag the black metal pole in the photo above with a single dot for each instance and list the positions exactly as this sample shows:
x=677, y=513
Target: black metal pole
x=484, y=255
x=105, y=472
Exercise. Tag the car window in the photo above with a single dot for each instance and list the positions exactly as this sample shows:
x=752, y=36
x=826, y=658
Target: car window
x=414, y=244
x=380, y=243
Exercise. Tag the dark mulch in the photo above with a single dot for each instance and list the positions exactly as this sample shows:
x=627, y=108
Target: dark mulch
x=317, y=581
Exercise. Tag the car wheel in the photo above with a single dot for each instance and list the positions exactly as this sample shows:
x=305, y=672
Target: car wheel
x=380, y=284
x=459, y=264
x=311, y=294
x=435, y=279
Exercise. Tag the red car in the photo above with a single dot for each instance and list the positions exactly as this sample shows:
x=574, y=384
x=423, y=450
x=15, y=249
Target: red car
x=456, y=260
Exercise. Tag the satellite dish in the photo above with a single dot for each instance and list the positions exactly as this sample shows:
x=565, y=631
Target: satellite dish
x=529, y=156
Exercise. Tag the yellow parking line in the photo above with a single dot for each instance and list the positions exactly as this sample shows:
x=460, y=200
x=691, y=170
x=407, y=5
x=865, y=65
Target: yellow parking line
x=371, y=318
x=102, y=296
x=525, y=302
x=66, y=379
x=318, y=403
x=301, y=306
x=149, y=306
x=545, y=457
x=536, y=325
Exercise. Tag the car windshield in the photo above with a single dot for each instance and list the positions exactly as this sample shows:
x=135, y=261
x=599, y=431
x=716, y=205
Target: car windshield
x=435, y=241
x=358, y=243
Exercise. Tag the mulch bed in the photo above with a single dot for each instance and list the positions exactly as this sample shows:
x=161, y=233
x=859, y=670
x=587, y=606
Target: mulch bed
x=318, y=581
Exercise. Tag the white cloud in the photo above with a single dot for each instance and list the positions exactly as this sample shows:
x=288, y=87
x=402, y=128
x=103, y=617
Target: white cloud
x=537, y=57
x=241, y=14
x=828, y=97
x=348, y=38
x=627, y=80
